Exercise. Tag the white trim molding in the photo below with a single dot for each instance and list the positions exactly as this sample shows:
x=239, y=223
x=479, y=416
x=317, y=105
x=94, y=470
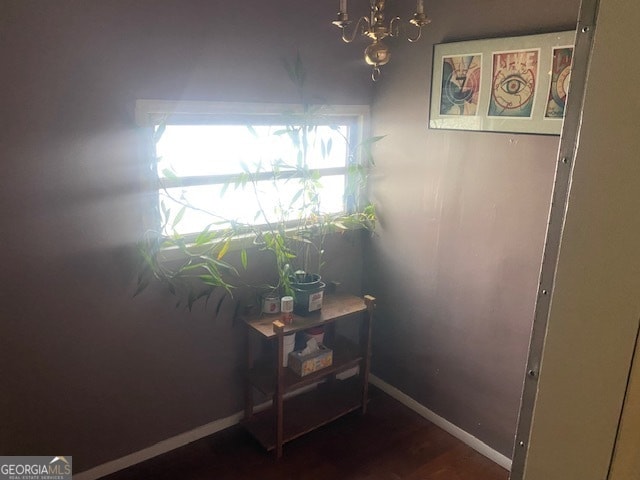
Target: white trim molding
x=465, y=437
x=180, y=440
x=150, y=112
x=218, y=425
x=159, y=448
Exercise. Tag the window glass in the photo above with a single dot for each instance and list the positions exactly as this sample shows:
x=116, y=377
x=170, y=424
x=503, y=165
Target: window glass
x=199, y=165
x=216, y=208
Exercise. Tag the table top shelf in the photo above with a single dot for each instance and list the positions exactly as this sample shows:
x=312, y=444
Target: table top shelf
x=334, y=306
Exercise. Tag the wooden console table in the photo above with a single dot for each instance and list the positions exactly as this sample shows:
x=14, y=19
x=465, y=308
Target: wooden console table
x=289, y=418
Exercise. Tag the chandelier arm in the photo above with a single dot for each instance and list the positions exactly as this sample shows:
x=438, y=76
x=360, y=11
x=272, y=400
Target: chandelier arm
x=377, y=53
x=394, y=32
x=416, y=38
x=361, y=27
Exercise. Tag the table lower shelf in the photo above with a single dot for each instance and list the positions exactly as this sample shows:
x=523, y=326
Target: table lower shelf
x=346, y=355
x=308, y=411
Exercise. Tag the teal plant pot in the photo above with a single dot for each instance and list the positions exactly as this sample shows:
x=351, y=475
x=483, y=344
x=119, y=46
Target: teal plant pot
x=308, y=292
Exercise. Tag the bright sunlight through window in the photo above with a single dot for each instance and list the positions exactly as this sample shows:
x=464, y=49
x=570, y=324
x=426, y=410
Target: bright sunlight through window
x=217, y=170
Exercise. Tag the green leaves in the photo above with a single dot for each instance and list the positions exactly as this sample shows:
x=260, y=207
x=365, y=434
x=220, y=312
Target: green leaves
x=178, y=217
x=290, y=229
x=252, y=131
x=205, y=236
x=366, y=146
x=296, y=71
x=325, y=147
x=225, y=249
x=158, y=131
x=169, y=173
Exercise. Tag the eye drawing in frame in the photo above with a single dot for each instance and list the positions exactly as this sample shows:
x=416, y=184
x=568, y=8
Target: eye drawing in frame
x=461, y=75
x=515, y=77
x=560, y=77
x=507, y=84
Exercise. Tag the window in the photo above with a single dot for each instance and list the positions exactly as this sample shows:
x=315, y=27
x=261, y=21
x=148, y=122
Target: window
x=222, y=164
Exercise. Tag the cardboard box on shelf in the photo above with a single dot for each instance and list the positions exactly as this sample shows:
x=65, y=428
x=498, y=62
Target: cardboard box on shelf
x=304, y=364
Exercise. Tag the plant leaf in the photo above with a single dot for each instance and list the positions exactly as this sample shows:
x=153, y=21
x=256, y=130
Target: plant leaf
x=169, y=173
x=219, y=305
x=142, y=285
x=296, y=70
x=243, y=258
x=225, y=249
x=179, y=217
x=157, y=134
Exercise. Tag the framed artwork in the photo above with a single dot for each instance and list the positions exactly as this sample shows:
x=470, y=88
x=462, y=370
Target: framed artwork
x=516, y=84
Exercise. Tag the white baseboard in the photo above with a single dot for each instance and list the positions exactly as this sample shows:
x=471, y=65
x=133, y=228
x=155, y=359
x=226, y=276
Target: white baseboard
x=174, y=442
x=447, y=426
x=159, y=448
x=218, y=425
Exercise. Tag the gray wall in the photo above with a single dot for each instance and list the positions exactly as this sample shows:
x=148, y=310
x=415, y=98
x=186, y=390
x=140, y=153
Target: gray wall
x=463, y=218
x=88, y=370
x=85, y=368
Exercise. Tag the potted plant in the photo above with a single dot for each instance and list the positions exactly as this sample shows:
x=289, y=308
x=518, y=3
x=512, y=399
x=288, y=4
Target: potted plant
x=295, y=231
x=292, y=227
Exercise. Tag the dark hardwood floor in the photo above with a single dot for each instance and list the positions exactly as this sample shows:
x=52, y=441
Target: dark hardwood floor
x=390, y=442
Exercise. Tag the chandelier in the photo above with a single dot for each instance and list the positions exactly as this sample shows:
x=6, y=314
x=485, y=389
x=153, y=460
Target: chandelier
x=377, y=54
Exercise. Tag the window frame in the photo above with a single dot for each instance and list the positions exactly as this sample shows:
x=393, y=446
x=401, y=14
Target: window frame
x=150, y=113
